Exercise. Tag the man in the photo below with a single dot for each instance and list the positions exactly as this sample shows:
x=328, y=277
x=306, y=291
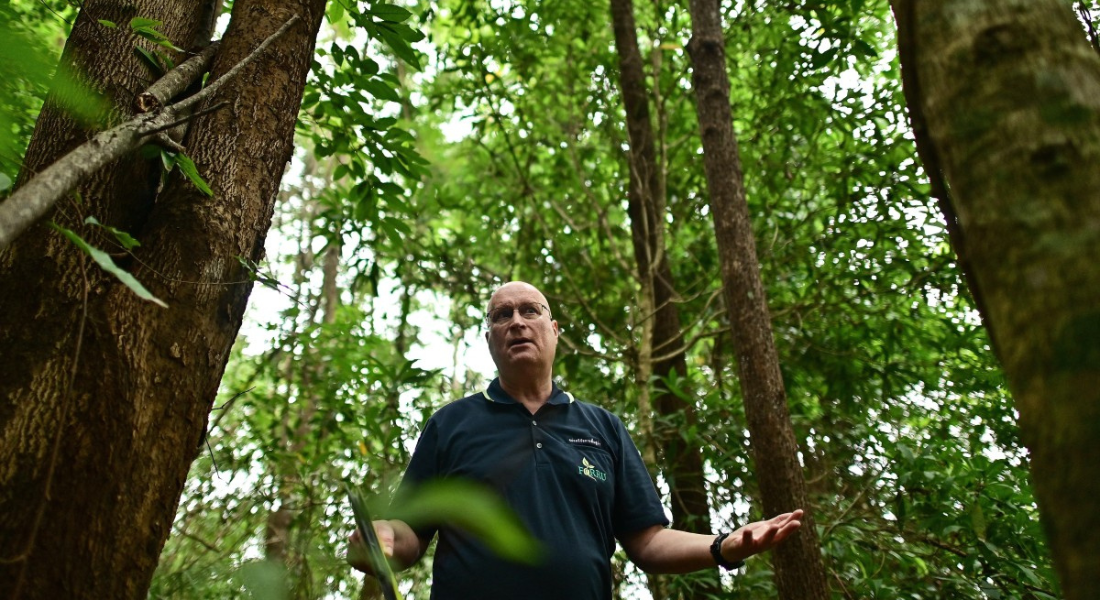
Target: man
x=568, y=468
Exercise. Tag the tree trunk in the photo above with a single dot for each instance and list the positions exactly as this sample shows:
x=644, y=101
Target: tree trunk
x=103, y=397
x=683, y=463
x=799, y=571
x=1010, y=93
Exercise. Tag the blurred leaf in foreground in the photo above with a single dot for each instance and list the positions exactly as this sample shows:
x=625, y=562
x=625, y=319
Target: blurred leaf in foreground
x=473, y=509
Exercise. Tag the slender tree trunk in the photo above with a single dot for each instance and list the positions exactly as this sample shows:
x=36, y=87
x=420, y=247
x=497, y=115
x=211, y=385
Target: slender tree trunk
x=104, y=397
x=283, y=522
x=1010, y=93
x=683, y=462
x=799, y=572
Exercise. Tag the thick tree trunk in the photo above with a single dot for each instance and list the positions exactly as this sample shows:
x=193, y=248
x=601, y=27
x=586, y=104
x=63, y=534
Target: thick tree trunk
x=799, y=572
x=1010, y=92
x=104, y=397
x=683, y=463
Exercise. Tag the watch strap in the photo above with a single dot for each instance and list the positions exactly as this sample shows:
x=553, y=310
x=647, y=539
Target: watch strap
x=716, y=552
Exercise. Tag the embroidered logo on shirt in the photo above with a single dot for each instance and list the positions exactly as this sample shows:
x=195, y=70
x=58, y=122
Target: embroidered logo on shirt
x=586, y=442
x=589, y=470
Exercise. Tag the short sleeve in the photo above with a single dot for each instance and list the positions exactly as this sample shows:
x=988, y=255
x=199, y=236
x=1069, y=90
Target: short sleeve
x=637, y=505
x=423, y=466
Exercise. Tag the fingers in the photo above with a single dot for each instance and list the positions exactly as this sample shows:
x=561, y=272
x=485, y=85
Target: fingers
x=761, y=536
x=385, y=533
x=357, y=551
x=795, y=515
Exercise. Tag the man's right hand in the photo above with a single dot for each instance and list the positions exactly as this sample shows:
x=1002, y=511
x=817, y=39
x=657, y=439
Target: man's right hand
x=357, y=551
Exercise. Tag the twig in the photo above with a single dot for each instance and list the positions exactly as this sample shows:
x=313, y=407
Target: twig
x=1086, y=17
x=162, y=139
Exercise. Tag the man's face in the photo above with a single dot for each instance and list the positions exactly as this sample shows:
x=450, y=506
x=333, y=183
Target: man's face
x=519, y=339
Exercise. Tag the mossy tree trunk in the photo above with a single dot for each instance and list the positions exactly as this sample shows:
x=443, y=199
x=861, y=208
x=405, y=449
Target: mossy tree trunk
x=1004, y=96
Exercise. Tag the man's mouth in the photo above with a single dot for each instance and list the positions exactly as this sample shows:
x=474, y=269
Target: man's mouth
x=519, y=341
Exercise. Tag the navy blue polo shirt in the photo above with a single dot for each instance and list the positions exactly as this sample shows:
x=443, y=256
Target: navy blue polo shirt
x=571, y=473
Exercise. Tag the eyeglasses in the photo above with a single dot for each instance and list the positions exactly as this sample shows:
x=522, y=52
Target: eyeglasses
x=528, y=310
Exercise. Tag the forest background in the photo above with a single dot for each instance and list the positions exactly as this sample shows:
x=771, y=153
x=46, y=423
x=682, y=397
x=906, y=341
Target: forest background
x=462, y=144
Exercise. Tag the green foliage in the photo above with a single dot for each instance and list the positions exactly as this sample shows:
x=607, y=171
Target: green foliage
x=503, y=158
x=124, y=239
x=263, y=580
x=107, y=263
x=29, y=47
x=158, y=62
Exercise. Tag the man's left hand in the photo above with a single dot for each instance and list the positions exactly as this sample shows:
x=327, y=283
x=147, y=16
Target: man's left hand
x=760, y=536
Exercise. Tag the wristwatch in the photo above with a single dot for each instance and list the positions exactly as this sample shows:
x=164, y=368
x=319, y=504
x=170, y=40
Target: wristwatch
x=716, y=552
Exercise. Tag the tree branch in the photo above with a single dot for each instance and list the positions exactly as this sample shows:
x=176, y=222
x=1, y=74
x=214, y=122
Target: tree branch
x=31, y=202
x=175, y=81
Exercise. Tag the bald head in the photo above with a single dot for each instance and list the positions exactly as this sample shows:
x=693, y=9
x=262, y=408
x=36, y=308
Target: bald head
x=524, y=341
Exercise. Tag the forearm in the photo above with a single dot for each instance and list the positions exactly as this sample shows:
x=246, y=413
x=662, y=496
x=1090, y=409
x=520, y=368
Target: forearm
x=660, y=550
x=670, y=551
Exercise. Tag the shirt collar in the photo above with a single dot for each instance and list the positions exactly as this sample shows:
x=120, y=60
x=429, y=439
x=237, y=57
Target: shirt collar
x=496, y=393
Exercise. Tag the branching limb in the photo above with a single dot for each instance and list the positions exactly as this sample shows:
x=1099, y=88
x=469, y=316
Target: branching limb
x=34, y=199
x=175, y=81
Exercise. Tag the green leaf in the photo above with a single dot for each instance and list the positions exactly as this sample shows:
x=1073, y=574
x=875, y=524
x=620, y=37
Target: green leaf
x=187, y=166
x=127, y=241
x=106, y=23
x=862, y=48
x=146, y=24
x=395, y=38
x=391, y=13
x=105, y=262
x=5, y=183
x=163, y=41
x=335, y=12
x=380, y=90
x=977, y=518
x=150, y=59
x=474, y=509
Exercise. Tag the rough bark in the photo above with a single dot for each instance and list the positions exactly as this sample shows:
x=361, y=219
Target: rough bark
x=1010, y=91
x=799, y=571
x=683, y=463
x=103, y=397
